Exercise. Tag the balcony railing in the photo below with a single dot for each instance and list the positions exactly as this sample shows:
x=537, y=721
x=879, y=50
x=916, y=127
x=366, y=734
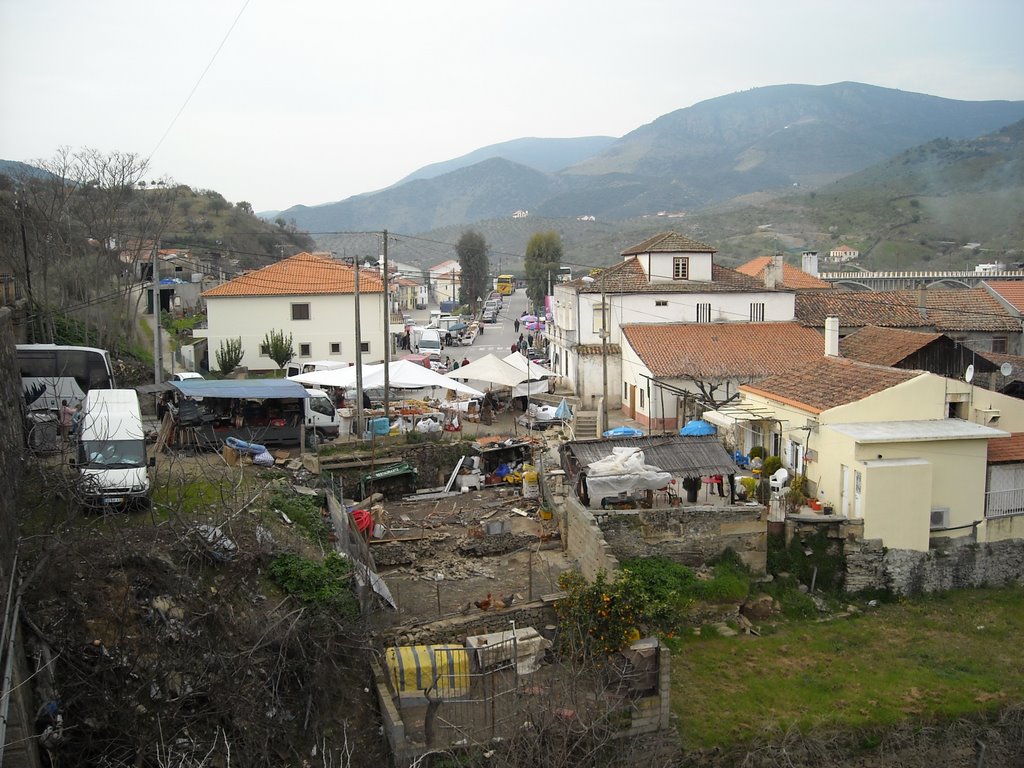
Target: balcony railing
x=1004, y=503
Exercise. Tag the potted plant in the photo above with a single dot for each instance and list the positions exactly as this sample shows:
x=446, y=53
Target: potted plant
x=827, y=507
x=691, y=485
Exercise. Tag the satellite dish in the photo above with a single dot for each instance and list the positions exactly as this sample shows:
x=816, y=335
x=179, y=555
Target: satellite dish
x=1006, y=369
x=969, y=374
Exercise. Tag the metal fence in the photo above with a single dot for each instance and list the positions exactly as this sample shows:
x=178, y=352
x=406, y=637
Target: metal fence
x=1004, y=503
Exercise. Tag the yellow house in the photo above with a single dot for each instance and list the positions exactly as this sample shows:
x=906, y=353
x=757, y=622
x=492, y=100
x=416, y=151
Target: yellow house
x=905, y=452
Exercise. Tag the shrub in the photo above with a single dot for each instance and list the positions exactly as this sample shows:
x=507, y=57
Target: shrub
x=771, y=465
x=757, y=452
x=229, y=355
x=749, y=485
x=326, y=583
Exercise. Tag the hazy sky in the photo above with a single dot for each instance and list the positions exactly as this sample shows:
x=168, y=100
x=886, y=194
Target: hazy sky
x=310, y=101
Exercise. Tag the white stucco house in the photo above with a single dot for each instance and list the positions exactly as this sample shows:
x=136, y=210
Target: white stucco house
x=666, y=278
x=309, y=295
x=912, y=456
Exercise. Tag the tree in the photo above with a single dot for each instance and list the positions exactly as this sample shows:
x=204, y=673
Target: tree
x=543, y=256
x=244, y=206
x=229, y=355
x=278, y=347
x=472, y=251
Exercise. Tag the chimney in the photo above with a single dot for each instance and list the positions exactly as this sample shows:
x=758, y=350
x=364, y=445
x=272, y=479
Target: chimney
x=809, y=262
x=773, y=272
x=922, y=302
x=832, y=337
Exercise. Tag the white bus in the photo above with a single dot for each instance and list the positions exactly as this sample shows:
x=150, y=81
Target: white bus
x=51, y=373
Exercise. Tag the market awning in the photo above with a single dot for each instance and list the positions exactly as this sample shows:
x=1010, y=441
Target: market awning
x=262, y=389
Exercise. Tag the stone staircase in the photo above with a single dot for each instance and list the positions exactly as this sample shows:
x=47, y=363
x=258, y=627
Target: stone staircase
x=586, y=426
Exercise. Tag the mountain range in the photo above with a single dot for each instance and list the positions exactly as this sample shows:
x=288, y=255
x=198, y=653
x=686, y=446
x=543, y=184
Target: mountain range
x=765, y=141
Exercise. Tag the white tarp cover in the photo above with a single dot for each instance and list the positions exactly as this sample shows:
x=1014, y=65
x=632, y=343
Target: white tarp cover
x=624, y=471
x=403, y=374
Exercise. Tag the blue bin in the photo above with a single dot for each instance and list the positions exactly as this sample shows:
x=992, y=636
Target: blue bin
x=380, y=426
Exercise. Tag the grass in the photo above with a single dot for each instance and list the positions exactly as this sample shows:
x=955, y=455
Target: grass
x=931, y=659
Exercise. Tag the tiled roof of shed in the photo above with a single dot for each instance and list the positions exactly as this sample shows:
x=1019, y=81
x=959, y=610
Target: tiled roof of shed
x=884, y=346
x=828, y=382
x=792, y=277
x=668, y=242
x=300, y=275
x=722, y=350
x=970, y=309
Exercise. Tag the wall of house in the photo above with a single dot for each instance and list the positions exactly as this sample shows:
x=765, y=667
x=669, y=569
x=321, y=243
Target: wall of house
x=584, y=540
x=869, y=565
x=1001, y=528
x=689, y=535
x=897, y=499
x=332, y=319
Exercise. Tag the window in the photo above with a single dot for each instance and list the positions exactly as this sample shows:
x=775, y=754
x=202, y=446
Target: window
x=680, y=268
x=335, y=347
x=661, y=303
x=364, y=346
x=264, y=350
x=625, y=391
x=641, y=398
x=300, y=311
x=703, y=313
x=757, y=312
x=599, y=319
x=304, y=350
x=999, y=344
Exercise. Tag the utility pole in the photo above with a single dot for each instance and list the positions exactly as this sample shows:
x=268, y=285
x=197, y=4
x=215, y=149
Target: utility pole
x=158, y=347
x=604, y=356
x=387, y=331
x=359, y=350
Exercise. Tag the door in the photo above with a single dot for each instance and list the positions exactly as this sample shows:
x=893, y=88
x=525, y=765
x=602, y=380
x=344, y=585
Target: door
x=857, y=482
x=632, y=401
x=844, y=490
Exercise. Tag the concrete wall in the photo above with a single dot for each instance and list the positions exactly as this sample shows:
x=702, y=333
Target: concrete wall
x=687, y=535
x=585, y=542
x=907, y=572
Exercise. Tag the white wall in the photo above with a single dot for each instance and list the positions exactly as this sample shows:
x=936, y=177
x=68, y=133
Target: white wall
x=332, y=319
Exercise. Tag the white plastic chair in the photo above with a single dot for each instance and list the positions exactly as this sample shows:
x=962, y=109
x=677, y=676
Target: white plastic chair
x=778, y=480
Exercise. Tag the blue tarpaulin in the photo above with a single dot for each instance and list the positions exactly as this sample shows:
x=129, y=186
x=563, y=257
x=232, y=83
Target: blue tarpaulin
x=563, y=412
x=698, y=427
x=259, y=389
x=624, y=432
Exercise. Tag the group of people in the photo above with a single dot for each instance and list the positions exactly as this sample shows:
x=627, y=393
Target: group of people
x=453, y=365
x=523, y=344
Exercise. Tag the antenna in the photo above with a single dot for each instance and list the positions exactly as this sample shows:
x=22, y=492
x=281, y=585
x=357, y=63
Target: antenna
x=1006, y=369
x=969, y=374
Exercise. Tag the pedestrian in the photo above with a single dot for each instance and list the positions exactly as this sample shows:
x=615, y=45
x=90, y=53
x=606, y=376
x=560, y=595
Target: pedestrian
x=67, y=413
x=406, y=341
x=447, y=363
x=516, y=325
x=465, y=361
x=521, y=337
x=529, y=341
x=455, y=365
x=447, y=338
x=76, y=419
x=515, y=347
x=717, y=481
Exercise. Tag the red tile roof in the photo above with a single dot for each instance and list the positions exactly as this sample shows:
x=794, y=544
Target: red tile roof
x=629, y=277
x=300, y=275
x=884, y=346
x=1006, y=450
x=1012, y=292
x=722, y=350
x=828, y=382
x=970, y=309
x=668, y=242
x=792, y=277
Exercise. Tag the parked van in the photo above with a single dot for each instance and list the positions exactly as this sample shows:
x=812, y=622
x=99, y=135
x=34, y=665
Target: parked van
x=111, y=459
x=429, y=343
x=295, y=367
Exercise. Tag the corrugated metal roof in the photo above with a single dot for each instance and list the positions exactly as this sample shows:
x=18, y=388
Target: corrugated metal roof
x=689, y=456
x=263, y=389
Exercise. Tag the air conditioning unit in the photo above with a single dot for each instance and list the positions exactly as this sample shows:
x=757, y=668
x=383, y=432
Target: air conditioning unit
x=940, y=518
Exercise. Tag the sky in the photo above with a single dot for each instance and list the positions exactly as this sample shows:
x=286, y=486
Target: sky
x=312, y=101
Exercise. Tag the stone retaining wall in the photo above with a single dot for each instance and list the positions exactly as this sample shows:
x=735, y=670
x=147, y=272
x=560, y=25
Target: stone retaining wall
x=908, y=572
x=688, y=535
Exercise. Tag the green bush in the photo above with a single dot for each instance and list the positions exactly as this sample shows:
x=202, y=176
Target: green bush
x=757, y=452
x=771, y=465
x=304, y=511
x=326, y=583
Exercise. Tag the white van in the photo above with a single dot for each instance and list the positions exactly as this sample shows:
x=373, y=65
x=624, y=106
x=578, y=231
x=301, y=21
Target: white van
x=295, y=367
x=111, y=454
x=429, y=343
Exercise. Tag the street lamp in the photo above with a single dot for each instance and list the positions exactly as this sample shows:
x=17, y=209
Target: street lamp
x=604, y=351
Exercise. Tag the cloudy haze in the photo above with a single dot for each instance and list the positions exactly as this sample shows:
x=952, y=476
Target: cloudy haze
x=315, y=100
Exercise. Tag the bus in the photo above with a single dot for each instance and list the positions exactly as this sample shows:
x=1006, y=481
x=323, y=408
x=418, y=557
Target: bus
x=51, y=373
x=505, y=285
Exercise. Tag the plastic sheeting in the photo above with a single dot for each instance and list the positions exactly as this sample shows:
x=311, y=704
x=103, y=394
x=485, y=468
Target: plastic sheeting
x=624, y=471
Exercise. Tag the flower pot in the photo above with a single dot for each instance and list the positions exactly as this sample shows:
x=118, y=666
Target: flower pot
x=827, y=509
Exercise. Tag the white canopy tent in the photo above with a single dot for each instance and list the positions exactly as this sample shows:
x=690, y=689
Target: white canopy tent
x=535, y=371
x=491, y=369
x=402, y=374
